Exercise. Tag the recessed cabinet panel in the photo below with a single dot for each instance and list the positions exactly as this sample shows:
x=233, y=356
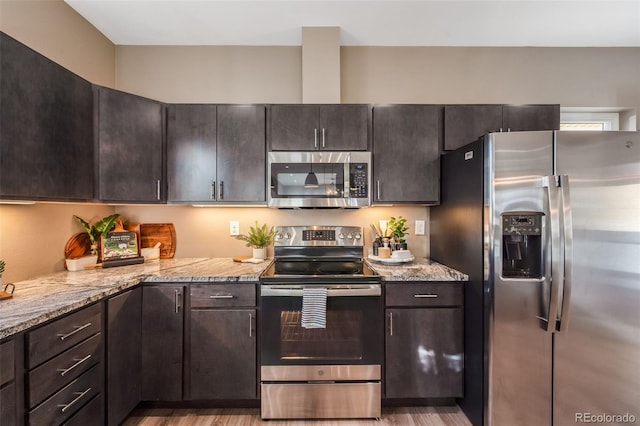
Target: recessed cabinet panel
x=406, y=154
x=343, y=128
x=464, y=124
x=46, y=128
x=294, y=128
x=191, y=152
x=130, y=144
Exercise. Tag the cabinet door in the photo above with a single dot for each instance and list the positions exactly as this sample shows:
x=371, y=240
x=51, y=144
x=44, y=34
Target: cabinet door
x=130, y=139
x=464, y=124
x=223, y=354
x=46, y=128
x=241, y=153
x=124, y=334
x=343, y=128
x=294, y=128
x=520, y=118
x=191, y=153
x=406, y=153
x=162, y=339
x=424, y=353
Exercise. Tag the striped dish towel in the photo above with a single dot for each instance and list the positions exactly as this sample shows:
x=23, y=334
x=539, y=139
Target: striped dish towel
x=314, y=307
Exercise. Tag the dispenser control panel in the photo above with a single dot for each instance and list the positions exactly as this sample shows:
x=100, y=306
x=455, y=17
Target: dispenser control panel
x=522, y=224
x=522, y=245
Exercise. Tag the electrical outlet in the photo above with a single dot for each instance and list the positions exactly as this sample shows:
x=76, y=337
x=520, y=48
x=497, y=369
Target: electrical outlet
x=419, y=228
x=234, y=228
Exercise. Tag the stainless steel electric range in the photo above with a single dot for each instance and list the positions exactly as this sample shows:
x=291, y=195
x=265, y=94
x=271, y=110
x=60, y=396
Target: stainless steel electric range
x=330, y=369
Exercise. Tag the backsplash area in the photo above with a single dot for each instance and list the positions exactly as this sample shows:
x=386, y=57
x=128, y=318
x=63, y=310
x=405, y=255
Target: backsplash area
x=33, y=237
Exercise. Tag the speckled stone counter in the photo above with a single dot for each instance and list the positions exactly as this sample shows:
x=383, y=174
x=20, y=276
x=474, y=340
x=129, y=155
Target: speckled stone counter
x=41, y=299
x=417, y=270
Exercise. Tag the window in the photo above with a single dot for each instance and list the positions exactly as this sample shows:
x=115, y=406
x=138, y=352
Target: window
x=590, y=121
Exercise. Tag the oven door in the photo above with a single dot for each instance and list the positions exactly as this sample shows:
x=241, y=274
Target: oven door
x=353, y=333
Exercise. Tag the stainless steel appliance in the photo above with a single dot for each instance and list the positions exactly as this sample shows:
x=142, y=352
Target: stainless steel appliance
x=332, y=371
x=547, y=226
x=319, y=179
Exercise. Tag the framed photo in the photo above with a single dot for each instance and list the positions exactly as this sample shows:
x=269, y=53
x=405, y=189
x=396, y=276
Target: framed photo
x=120, y=245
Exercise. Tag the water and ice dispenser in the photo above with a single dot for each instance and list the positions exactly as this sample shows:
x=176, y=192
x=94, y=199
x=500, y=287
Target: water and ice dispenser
x=522, y=245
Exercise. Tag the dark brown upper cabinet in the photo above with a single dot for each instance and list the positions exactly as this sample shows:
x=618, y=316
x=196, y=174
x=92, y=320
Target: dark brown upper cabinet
x=216, y=153
x=464, y=124
x=46, y=128
x=342, y=127
x=130, y=144
x=406, y=154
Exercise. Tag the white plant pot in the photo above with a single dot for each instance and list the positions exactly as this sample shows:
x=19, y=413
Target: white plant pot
x=259, y=253
x=79, y=263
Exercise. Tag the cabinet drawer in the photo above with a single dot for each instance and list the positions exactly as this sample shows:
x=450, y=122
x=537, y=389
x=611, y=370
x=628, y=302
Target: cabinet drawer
x=222, y=295
x=68, y=400
x=90, y=414
x=7, y=362
x=424, y=294
x=51, y=339
x=54, y=374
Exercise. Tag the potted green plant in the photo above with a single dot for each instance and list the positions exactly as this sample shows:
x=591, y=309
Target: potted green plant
x=258, y=238
x=100, y=229
x=399, y=228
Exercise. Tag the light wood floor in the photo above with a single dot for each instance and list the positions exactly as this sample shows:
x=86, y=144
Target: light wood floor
x=418, y=416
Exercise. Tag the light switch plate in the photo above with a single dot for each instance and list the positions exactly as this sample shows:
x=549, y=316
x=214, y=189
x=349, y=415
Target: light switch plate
x=234, y=227
x=419, y=228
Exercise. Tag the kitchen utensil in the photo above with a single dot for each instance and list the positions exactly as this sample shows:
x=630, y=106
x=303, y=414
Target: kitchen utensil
x=79, y=245
x=154, y=233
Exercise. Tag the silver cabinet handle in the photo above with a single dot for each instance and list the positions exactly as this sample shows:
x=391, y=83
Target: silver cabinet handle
x=378, y=189
x=65, y=407
x=425, y=296
x=323, y=137
x=158, y=189
x=315, y=137
x=250, y=325
x=567, y=223
x=64, y=371
x=177, y=301
x=66, y=336
x=222, y=296
x=221, y=189
x=213, y=189
x=390, y=323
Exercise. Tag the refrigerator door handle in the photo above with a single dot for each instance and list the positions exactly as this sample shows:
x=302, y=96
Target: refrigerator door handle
x=567, y=231
x=551, y=185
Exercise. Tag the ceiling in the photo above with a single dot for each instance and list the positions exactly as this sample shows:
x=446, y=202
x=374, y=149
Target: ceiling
x=367, y=22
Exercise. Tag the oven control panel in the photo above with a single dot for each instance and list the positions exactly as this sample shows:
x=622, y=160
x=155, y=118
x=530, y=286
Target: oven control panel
x=300, y=236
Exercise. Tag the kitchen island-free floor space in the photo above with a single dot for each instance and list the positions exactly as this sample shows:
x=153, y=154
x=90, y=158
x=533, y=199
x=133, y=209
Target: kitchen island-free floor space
x=422, y=416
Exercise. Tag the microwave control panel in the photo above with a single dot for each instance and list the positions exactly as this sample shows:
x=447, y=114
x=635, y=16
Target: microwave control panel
x=359, y=177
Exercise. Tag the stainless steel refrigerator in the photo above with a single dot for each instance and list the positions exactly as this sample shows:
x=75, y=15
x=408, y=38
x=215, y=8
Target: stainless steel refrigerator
x=547, y=226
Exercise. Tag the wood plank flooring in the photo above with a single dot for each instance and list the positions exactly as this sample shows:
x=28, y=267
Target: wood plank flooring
x=410, y=416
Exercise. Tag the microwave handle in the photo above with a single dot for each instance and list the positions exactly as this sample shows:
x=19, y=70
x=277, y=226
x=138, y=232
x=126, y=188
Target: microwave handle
x=347, y=180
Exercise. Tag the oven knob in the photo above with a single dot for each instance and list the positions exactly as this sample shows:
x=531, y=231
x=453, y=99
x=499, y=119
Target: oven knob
x=278, y=236
x=358, y=236
x=341, y=236
x=350, y=236
x=287, y=236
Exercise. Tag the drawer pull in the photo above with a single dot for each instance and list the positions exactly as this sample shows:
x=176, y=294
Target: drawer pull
x=65, y=407
x=425, y=296
x=66, y=336
x=222, y=296
x=64, y=371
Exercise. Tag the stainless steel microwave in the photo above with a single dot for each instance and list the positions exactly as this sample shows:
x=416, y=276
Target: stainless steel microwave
x=319, y=179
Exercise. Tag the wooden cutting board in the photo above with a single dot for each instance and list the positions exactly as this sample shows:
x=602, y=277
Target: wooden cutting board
x=78, y=245
x=152, y=233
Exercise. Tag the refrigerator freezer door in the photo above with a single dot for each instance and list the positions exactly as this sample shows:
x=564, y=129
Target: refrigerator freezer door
x=597, y=357
x=520, y=347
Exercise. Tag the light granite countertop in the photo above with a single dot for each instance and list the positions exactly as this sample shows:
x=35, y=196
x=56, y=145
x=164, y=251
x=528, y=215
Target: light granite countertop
x=417, y=270
x=43, y=298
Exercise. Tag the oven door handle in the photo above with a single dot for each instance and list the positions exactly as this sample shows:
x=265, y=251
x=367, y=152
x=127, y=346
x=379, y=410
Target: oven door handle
x=280, y=291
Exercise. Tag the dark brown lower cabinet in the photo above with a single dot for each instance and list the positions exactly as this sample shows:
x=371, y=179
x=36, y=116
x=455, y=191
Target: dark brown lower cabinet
x=424, y=340
x=223, y=354
x=124, y=337
x=162, y=342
